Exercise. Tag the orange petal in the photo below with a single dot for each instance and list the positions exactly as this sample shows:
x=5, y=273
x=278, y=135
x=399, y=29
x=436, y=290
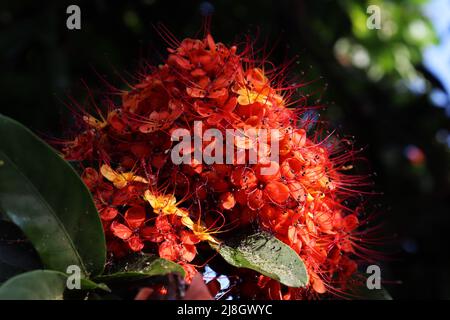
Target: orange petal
x=317, y=284
x=190, y=270
x=296, y=191
x=135, y=243
x=121, y=231
x=277, y=191
x=189, y=238
x=169, y=250
x=324, y=221
x=291, y=168
x=188, y=252
x=227, y=200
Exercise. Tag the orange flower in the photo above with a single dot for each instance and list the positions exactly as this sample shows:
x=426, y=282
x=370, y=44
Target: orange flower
x=130, y=232
x=301, y=199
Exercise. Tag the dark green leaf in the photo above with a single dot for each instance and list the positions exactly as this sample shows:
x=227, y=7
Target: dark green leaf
x=267, y=255
x=44, y=196
x=42, y=285
x=34, y=285
x=87, y=284
x=141, y=267
x=358, y=289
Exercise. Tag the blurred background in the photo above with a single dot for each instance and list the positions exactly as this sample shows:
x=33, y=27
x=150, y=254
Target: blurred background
x=388, y=87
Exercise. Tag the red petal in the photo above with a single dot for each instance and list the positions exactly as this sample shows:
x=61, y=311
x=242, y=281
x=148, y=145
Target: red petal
x=217, y=93
x=169, y=250
x=227, y=201
x=243, y=177
x=196, y=92
x=318, y=284
x=270, y=212
x=179, y=62
x=188, y=252
x=230, y=105
x=203, y=109
x=350, y=222
x=135, y=243
x=324, y=221
x=163, y=224
x=189, y=238
x=297, y=192
x=198, y=73
x=295, y=242
x=121, y=231
x=190, y=270
x=214, y=118
x=255, y=199
x=90, y=177
x=277, y=191
x=290, y=168
x=108, y=214
x=151, y=234
x=135, y=216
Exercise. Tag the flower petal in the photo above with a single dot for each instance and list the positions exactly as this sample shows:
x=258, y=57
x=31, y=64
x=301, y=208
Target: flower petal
x=277, y=191
x=255, y=199
x=108, y=214
x=135, y=216
x=120, y=230
x=151, y=234
x=135, y=243
x=188, y=252
x=227, y=200
x=169, y=250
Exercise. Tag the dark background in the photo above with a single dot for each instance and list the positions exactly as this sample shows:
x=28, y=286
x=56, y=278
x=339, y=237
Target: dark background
x=401, y=131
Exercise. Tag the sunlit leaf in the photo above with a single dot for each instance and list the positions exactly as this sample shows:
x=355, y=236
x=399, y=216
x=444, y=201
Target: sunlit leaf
x=267, y=255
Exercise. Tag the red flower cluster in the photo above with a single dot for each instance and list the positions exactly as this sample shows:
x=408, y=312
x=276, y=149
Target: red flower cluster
x=301, y=202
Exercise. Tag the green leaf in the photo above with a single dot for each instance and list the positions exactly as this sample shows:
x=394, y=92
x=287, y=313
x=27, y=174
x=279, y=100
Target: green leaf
x=140, y=267
x=44, y=196
x=358, y=289
x=17, y=255
x=374, y=294
x=267, y=255
x=87, y=284
x=34, y=285
x=42, y=285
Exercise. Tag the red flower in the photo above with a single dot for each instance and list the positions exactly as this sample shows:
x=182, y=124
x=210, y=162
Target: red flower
x=130, y=231
x=301, y=199
x=174, y=243
x=257, y=189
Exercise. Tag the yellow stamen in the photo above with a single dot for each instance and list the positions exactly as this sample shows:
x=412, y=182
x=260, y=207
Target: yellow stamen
x=120, y=179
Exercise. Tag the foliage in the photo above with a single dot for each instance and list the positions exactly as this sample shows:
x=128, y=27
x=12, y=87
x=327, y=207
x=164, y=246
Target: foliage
x=41, y=58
